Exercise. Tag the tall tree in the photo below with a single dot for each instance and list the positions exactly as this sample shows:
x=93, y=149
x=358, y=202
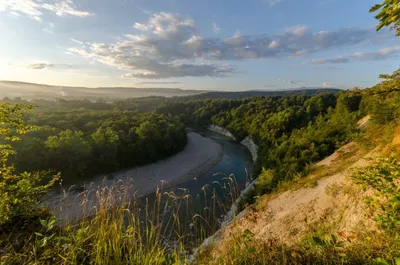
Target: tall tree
x=69, y=151
x=105, y=148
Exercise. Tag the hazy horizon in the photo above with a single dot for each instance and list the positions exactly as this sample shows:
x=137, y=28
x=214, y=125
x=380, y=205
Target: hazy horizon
x=29, y=91
x=174, y=88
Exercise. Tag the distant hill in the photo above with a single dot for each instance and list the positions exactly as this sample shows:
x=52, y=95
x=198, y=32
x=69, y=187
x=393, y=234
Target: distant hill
x=259, y=93
x=37, y=91
x=30, y=91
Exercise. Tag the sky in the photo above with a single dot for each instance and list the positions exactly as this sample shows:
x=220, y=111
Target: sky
x=195, y=44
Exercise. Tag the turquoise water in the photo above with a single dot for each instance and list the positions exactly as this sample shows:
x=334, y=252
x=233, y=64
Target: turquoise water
x=236, y=163
x=212, y=194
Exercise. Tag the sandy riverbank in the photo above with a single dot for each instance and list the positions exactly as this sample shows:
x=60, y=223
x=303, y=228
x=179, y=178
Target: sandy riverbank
x=199, y=156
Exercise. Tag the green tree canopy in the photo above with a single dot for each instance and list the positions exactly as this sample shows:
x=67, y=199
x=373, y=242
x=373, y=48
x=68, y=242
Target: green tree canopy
x=19, y=193
x=69, y=151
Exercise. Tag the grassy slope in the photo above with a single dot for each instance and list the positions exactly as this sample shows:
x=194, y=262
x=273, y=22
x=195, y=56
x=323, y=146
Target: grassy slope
x=319, y=219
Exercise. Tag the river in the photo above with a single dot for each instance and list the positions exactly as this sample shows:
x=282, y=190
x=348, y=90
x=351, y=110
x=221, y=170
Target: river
x=235, y=169
x=212, y=194
x=208, y=195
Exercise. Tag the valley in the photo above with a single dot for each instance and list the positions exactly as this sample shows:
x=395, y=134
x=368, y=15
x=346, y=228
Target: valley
x=199, y=132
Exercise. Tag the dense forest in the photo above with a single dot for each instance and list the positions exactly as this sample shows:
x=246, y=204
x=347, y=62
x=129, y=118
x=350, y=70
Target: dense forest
x=261, y=93
x=292, y=131
x=82, y=142
x=100, y=137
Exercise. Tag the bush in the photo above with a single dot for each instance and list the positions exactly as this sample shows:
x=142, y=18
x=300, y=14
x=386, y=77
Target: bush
x=19, y=193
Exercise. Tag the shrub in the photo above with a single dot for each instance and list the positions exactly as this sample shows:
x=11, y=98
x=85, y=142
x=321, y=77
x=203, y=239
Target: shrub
x=19, y=193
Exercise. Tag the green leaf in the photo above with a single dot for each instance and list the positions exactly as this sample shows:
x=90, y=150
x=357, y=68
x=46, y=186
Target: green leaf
x=381, y=261
x=319, y=241
x=375, y=8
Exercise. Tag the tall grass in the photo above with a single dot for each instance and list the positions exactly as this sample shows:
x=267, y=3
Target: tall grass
x=115, y=226
x=112, y=225
x=247, y=249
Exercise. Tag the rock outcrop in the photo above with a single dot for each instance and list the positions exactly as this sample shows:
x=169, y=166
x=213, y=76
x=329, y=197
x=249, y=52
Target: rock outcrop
x=221, y=130
x=251, y=145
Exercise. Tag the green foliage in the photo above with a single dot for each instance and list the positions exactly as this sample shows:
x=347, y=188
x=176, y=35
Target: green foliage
x=382, y=100
x=19, y=193
x=247, y=249
x=348, y=102
x=84, y=143
x=265, y=184
x=292, y=132
x=389, y=14
x=105, y=136
x=11, y=126
x=68, y=151
x=105, y=148
x=383, y=177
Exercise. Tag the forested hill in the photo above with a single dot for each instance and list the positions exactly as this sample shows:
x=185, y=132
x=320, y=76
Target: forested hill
x=31, y=91
x=37, y=91
x=260, y=93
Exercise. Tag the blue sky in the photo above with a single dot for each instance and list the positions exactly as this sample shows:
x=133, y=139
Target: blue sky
x=194, y=44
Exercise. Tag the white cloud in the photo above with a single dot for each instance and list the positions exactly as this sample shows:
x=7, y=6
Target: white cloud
x=333, y=85
x=273, y=45
x=272, y=2
x=48, y=31
x=215, y=27
x=50, y=28
x=140, y=27
x=160, y=71
x=14, y=14
x=76, y=41
x=65, y=8
x=157, y=83
x=44, y=65
x=298, y=30
x=39, y=66
x=359, y=56
x=325, y=84
x=291, y=82
x=35, y=8
x=301, y=53
x=170, y=45
x=339, y=59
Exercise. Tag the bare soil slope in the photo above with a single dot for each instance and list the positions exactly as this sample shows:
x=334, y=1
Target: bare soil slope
x=330, y=201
